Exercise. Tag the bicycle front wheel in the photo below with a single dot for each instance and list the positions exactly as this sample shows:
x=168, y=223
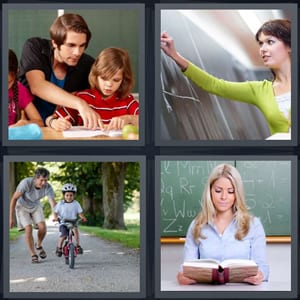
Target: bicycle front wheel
x=71, y=256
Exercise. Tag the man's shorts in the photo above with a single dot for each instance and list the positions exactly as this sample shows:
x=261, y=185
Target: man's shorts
x=27, y=216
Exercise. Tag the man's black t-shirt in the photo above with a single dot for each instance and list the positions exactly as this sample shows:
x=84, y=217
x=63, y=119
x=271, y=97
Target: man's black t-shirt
x=37, y=54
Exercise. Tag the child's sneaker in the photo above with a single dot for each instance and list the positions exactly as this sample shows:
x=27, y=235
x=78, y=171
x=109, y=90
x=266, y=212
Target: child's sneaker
x=58, y=252
x=79, y=249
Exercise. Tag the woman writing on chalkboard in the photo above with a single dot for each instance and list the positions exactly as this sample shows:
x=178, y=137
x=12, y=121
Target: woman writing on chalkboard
x=224, y=229
x=273, y=97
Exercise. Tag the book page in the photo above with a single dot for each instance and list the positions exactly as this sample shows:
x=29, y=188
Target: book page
x=80, y=131
x=237, y=263
x=202, y=263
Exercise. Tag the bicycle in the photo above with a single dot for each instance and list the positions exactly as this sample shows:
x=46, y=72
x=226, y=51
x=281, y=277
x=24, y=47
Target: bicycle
x=69, y=250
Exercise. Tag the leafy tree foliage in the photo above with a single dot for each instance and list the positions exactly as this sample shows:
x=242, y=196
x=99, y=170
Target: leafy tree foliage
x=87, y=176
x=23, y=170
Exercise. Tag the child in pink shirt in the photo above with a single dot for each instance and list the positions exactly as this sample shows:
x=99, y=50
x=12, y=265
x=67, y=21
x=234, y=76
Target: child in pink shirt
x=19, y=98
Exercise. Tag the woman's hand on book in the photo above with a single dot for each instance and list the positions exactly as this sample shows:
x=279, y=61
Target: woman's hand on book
x=183, y=280
x=256, y=280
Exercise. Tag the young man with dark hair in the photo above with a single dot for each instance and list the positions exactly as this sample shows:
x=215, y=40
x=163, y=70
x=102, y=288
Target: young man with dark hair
x=53, y=69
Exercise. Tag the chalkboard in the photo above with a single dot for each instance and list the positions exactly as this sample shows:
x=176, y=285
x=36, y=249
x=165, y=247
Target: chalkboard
x=109, y=27
x=267, y=188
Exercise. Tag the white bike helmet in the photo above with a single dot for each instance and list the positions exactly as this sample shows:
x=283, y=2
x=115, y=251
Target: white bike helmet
x=69, y=187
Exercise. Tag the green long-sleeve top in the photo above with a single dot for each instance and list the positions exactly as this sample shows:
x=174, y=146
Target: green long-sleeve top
x=259, y=93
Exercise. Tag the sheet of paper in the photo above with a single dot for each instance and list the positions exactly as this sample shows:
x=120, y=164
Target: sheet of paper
x=79, y=131
x=280, y=136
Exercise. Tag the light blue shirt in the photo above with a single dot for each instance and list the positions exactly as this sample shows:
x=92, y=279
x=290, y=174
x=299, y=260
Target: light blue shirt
x=68, y=210
x=31, y=195
x=225, y=246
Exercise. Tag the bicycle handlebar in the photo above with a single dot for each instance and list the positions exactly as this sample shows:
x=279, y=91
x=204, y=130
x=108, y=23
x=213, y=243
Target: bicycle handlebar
x=65, y=221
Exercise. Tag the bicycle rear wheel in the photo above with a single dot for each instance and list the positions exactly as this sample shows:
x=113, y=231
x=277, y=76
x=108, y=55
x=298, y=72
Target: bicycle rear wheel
x=71, y=256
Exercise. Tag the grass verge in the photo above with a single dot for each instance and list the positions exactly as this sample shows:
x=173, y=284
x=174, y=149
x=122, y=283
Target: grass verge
x=14, y=234
x=129, y=238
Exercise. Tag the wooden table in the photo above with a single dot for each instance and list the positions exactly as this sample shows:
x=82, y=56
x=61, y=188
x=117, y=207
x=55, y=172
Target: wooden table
x=51, y=134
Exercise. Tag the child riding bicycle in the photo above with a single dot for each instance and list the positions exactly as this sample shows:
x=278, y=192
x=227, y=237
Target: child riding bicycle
x=68, y=209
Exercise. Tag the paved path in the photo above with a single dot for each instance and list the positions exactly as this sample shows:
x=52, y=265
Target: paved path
x=103, y=267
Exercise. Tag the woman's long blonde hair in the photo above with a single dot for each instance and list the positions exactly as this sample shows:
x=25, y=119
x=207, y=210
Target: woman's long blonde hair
x=208, y=211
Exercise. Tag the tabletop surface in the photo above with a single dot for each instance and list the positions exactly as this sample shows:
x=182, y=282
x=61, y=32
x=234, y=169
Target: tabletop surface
x=51, y=134
x=172, y=285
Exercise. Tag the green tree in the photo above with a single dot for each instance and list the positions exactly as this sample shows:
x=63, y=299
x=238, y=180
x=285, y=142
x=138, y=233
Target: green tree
x=113, y=175
x=23, y=170
x=132, y=182
x=119, y=178
x=87, y=178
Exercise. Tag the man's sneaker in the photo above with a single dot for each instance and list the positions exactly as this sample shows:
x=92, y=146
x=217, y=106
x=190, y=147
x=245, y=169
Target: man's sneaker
x=79, y=249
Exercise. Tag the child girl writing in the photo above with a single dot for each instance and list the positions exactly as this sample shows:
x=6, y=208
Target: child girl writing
x=19, y=98
x=111, y=82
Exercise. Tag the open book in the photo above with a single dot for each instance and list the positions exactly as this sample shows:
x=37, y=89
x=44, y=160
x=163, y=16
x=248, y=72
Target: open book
x=213, y=271
x=80, y=131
